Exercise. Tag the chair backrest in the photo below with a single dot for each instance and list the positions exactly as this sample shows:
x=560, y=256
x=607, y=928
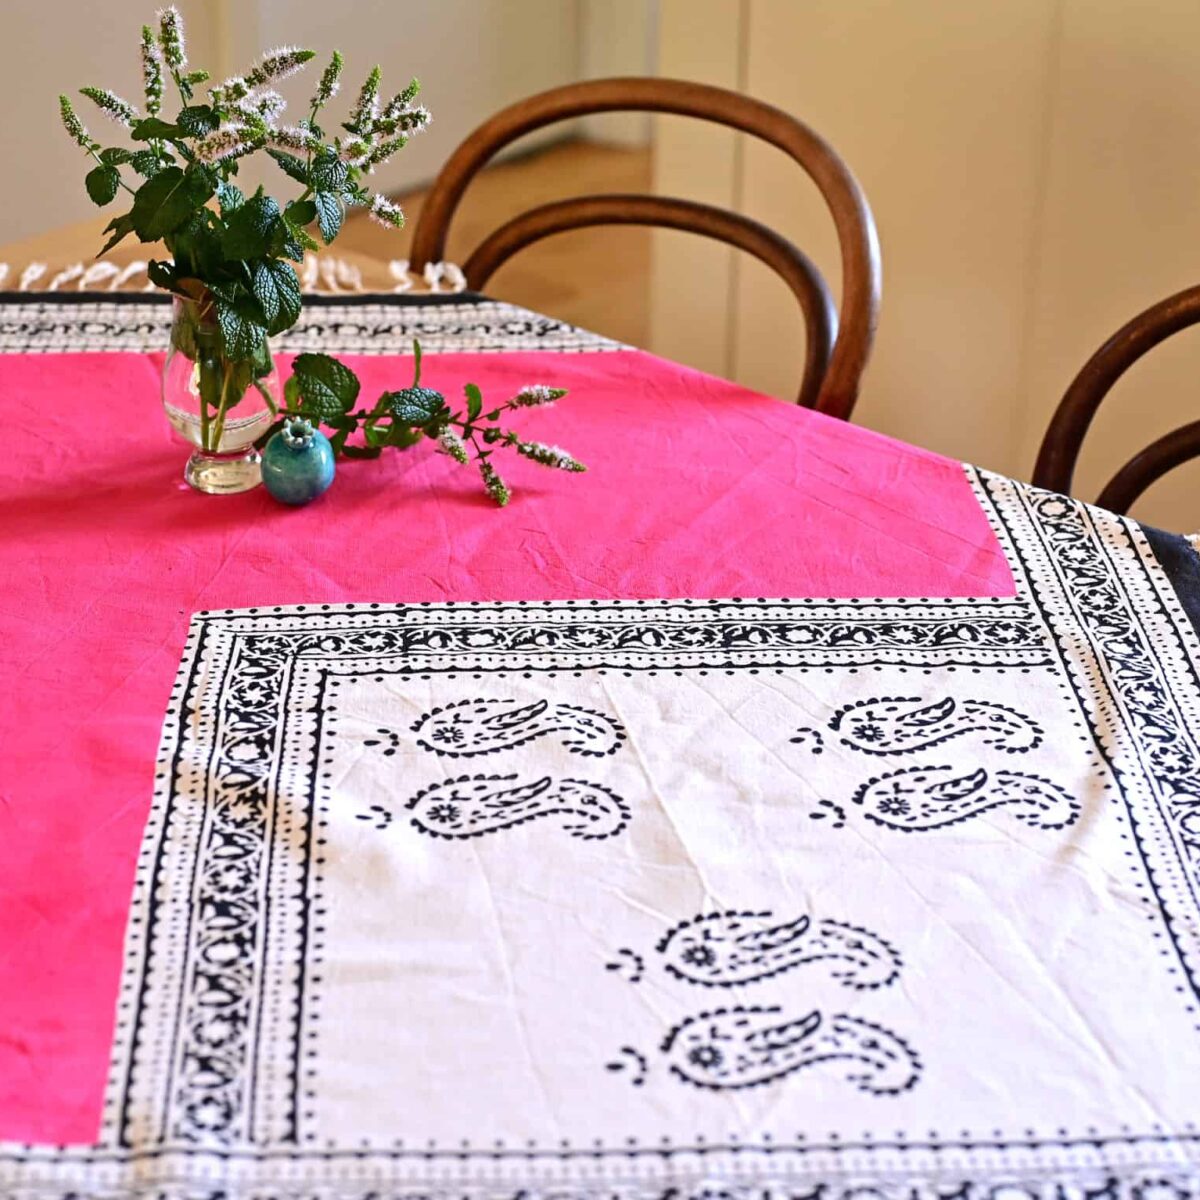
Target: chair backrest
x=839, y=345
x=1060, y=448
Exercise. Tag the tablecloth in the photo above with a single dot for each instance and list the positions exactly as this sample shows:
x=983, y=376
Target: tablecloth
x=774, y=809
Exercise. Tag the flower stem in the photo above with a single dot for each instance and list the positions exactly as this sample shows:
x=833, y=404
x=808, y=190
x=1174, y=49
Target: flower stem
x=222, y=408
x=203, y=422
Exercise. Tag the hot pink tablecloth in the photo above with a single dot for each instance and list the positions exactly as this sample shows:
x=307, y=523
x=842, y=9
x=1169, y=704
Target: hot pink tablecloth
x=696, y=488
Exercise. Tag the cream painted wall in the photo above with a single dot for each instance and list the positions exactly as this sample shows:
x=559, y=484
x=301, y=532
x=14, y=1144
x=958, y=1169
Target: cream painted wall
x=1034, y=171
x=472, y=56
x=617, y=37
x=692, y=279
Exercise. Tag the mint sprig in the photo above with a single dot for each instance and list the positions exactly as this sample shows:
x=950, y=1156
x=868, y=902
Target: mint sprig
x=323, y=390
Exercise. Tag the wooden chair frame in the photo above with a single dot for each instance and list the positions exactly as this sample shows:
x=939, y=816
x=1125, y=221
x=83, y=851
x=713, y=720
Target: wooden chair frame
x=839, y=344
x=1059, y=453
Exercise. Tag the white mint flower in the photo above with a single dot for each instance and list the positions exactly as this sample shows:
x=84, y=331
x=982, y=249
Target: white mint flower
x=412, y=120
x=73, y=125
x=111, y=105
x=331, y=81
x=386, y=213
x=267, y=106
x=383, y=152
x=550, y=456
x=453, y=445
x=170, y=38
x=496, y=487
x=537, y=395
x=356, y=150
x=152, y=73
x=278, y=64
x=227, y=142
x=292, y=137
x=399, y=103
x=232, y=90
x=366, y=107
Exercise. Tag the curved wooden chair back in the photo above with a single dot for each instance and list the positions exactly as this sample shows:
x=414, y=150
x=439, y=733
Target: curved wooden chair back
x=1060, y=448
x=839, y=343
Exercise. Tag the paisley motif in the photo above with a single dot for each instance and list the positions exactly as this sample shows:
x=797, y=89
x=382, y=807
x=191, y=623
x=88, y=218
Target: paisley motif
x=730, y=948
x=743, y=1047
x=475, y=805
x=902, y=725
x=470, y=727
x=921, y=798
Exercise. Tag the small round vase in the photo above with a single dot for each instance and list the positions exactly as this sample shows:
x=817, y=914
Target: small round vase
x=297, y=463
x=217, y=406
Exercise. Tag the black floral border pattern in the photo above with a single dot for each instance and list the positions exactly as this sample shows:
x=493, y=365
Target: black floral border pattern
x=1105, y=569
x=376, y=324
x=1084, y=550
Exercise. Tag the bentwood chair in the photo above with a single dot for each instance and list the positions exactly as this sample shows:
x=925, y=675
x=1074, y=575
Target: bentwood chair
x=1056, y=460
x=838, y=342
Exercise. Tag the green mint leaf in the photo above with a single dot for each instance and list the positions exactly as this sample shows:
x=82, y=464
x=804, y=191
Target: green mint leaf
x=250, y=228
x=146, y=163
x=300, y=212
x=277, y=291
x=151, y=129
x=415, y=405
x=197, y=248
x=329, y=215
x=102, y=184
x=241, y=333
x=162, y=275
x=229, y=197
x=285, y=241
x=327, y=388
x=165, y=202
x=291, y=165
x=329, y=173
x=197, y=120
x=115, y=156
x=119, y=227
x=306, y=239
x=240, y=378
x=474, y=401
x=263, y=364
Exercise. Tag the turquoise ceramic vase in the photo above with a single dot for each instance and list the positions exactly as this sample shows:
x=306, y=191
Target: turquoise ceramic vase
x=297, y=464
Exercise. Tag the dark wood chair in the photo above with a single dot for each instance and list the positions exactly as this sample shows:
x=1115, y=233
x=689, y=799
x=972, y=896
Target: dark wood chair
x=1059, y=453
x=838, y=343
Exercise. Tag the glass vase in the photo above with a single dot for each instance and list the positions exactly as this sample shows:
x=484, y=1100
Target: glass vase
x=218, y=406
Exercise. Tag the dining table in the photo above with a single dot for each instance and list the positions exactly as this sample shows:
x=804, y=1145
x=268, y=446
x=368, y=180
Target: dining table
x=775, y=811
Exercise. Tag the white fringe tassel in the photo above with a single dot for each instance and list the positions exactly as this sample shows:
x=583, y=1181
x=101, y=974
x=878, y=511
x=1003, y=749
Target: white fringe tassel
x=31, y=275
x=435, y=273
x=318, y=273
x=66, y=276
x=400, y=272
x=97, y=273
